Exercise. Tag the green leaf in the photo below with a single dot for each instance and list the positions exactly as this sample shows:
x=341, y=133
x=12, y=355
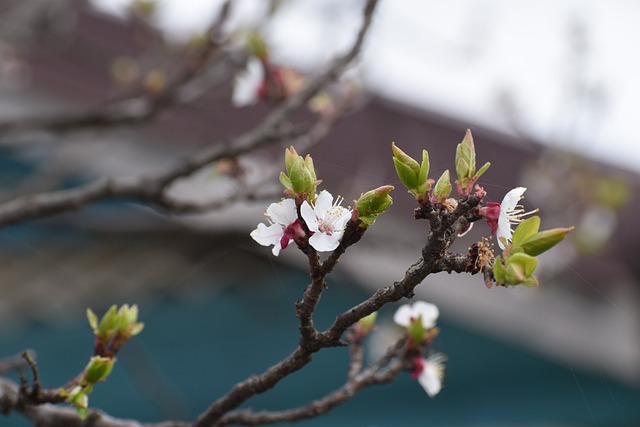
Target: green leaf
x=405, y=159
x=466, y=158
x=93, y=320
x=543, y=241
x=530, y=282
x=408, y=177
x=526, y=229
x=526, y=262
x=482, y=170
x=301, y=179
x=285, y=181
x=443, y=186
x=499, y=272
x=424, y=168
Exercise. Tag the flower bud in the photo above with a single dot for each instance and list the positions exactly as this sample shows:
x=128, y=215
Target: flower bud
x=301, y=179
x=413, y=175
x=373, y=203
x=417, y=332
x=367, y=323
x=466, y=157
x=98, y=369
x=466, y=165
x=517, y=269
x=443, y=187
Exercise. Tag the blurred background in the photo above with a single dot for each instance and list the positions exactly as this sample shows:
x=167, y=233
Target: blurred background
x=549, y=90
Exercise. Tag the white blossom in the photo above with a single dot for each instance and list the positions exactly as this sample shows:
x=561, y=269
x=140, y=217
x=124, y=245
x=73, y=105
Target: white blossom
x=510, y=213
x=282, y=218
x=432, y=374
x=247, y=84
x=407, y=314
x=326, y=220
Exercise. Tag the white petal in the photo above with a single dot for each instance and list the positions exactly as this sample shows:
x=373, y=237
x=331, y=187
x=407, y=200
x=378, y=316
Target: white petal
x=431, y=379
x=432, y=374
x=309, y=216
x=283, y=213
x=428, y=311
x=277, y=248
x=323, y=203
x=267, y=235
x=324, y=242
x=403, y=315
x=247, y=83
x=504, y=228
x=512, y=198
x=341, y=222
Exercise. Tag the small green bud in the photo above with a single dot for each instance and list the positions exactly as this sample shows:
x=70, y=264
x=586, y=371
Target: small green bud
x=93, y=320
x=301, y=178
x=308, y=161
x=541, y=242
x=290, y=155
x=466, y=158
x=257, y=46
x=285, y=181
x=373, y=203
x=517, y=269
x=424, y=168
x=368, y=322
x=405, y=159
x=98, y=369
x=417, y=332
x=443, y=186
x=78, y=398
x=414, y=176
x=406, y=175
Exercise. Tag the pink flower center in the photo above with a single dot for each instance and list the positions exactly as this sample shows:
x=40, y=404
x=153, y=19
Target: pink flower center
x=418, y=367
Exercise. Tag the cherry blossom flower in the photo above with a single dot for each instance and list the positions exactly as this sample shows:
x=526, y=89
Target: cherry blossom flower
x=407, y=314
x=283, y=227
x=501, y=216
x=429, y=372
x=248, y=83
x=326, y=220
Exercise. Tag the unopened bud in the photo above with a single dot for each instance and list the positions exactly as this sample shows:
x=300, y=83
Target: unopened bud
x=98, y=369
x=373, y=203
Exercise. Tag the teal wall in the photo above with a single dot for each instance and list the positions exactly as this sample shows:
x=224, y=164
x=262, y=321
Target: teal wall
x=193, y=350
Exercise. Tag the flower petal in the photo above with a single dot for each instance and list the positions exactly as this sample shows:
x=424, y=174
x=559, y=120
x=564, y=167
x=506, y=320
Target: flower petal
x=323, y=203
x=403, y=315
x=428, y=312
x=325, y=242
x=431, y=378
x=309, y=216
x=247, y=84
x=512, y=198
x=432, y=373
x=267, y=235
x=283, y=213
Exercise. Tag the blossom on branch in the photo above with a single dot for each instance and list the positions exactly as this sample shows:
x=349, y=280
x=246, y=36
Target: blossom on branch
x=501, y=216
x=326, y=219
x=429, y=372
x=407, y=314
x=284, y=226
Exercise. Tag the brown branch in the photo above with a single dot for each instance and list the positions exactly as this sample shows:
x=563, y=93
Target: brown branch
x=383, y=371
x=301, y=356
